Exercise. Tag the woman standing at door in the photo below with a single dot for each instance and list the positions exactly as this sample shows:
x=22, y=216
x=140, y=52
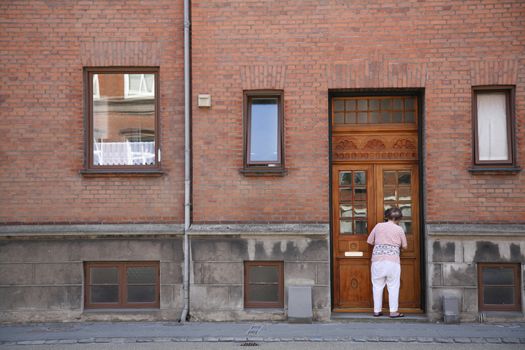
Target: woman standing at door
x=387, y=238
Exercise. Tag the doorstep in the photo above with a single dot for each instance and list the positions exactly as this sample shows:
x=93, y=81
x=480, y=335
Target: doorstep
x=367, y=317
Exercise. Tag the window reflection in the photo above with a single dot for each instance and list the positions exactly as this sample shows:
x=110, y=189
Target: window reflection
x=123, y=128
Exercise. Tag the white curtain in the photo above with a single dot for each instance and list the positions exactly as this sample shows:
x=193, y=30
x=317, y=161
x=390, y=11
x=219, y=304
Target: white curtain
x=492, y=126
x=124, y=153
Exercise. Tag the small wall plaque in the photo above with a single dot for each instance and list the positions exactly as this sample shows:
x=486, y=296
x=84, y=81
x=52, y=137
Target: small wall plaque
x=353, y=253
x=204, y=100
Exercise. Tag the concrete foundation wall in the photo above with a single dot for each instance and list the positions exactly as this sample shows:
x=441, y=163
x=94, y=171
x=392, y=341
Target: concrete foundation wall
x=42, y=280
x=217, y=292
x=453, y=254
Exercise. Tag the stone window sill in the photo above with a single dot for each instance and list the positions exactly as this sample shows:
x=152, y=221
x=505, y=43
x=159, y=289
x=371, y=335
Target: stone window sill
x=494, y=170
x=263, y=171
x=121, y=172
x=273, y=310
x=122, y=311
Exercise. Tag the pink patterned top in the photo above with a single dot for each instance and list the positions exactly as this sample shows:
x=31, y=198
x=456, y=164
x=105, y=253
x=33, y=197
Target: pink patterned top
x=387, y=238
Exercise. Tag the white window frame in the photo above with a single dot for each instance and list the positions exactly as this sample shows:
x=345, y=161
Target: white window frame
x=140, y=93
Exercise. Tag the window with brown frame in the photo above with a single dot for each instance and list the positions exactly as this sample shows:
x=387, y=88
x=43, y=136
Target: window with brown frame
x=263, y=133
x=493, y=125
x=122, y=284
x=499, y=287
x=122, y=119
x=263, y=284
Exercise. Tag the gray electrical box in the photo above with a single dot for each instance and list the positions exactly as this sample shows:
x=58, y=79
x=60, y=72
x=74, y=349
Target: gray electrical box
x=300, y=304
x=450, y=309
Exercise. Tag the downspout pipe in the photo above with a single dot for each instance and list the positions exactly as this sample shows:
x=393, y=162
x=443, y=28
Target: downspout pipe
x=187, y=161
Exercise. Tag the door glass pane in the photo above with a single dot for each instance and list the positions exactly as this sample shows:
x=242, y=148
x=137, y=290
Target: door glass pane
x=345, y=227
x=360, y=209
x=389, y=193
x=345, y=195
x=498, y=276
x=263, y=274
x=389, y=205
x=265, y=293
x=386, y=104
x=339, y=118
x=386, y=116
x=104, y=294
x=345, y=179
x=407, y=226
x=345, y=211
x=406, y=209
x=397, y=117
x=350, y=117
x=104, y=275
x=361, y=227
x=410, y=103
x=410, y=117
x=389, y=178
x=264, y=126
x=141, y=294
x=141, y=275
x=339, y=105
x=404, y=178
x=375, y=117
x=360, y=194
x=374, y=105
x=404, y=193
x=350, y=105
x=398, y=104
x=360, y=178
x=499, y=295
x=362, y=105
x=362, y=117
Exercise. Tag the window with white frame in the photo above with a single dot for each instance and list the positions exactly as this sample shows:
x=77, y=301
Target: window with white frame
x=96, y=88
x=139, y=85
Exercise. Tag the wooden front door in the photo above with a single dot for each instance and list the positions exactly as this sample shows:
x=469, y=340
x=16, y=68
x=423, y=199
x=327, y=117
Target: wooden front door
x=374, y=167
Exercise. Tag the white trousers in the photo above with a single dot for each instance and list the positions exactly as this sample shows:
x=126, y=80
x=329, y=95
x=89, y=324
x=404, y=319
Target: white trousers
x=389, y=273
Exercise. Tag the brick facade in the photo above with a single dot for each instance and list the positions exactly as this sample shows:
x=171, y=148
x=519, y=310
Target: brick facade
x=45, y=46
x=308, y=49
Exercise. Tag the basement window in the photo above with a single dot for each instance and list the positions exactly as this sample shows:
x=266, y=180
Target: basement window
x=499, y=287
x=263, y=284
x=122, y=285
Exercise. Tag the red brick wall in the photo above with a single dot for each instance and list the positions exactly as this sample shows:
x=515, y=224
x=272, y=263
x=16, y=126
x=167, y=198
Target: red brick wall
x=44, y=46
x=307, y=47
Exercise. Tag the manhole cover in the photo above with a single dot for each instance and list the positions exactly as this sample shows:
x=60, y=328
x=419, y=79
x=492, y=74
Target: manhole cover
x=249, y=344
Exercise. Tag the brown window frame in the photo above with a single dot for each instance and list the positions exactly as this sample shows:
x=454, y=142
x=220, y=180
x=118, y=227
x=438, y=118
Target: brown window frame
x=122, y=268
x=517, y=287
x=260, y=304
x=89, y=167
x=510, y=104
x=254, y=168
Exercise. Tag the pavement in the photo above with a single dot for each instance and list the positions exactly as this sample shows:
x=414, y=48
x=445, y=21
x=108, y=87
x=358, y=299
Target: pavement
x=387, y=331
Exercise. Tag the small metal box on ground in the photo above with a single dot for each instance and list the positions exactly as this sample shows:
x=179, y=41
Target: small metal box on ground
x=451, y=309
x=300, y=304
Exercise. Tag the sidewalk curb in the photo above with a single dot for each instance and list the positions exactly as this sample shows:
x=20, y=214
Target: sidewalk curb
x=415, y=340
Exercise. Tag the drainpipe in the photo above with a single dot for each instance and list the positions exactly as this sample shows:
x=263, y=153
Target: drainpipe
x=187, y=150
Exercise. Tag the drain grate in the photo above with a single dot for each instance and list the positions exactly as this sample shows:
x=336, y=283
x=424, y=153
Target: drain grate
x=254, y=330
x=249, y=344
